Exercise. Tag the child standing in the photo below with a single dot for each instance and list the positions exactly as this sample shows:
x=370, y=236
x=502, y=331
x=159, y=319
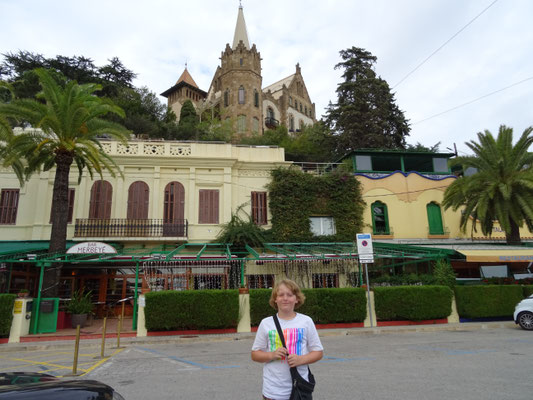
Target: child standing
x=303, y=344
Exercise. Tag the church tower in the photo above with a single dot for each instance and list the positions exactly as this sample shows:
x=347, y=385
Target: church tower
x=236, y=86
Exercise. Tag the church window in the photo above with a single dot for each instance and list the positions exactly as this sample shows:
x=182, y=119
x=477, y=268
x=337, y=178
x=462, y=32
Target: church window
x=256, y=98
x=241, y=124
x=296, y=104
x=240, y=61
x=291, y=123
x=305, y=108
x=241, y=95
x=226, y=98
x=290, y=101
x=301, y=108
x=255, y=125
x=270, y=113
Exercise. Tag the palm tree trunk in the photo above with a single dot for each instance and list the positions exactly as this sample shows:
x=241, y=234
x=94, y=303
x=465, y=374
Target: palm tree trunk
x=58, y=236
x=513, y=237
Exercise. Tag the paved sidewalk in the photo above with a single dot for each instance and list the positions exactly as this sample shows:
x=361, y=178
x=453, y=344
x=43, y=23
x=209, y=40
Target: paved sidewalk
x=45, y=344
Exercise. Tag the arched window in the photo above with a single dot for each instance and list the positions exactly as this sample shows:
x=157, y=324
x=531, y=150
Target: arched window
x=305, y=110
x=100, y=201
x=174, y=210
x=138, y=198
x=256, y=98
x=255, y=125
x=226, y=98
x=301, y=107
x=290, y=101
x=291, y=123
x=270, y=113
x=296, y=104
x=241, y=95
x=241, y=124
x=434, y=219
x=380, y=218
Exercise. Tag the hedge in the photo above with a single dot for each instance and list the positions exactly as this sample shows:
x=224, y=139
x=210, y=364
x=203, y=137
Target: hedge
x=324, y=306
x=527, y=290
x=6, y=313
x=484, y=301
x=412, y=303
x=191, y=309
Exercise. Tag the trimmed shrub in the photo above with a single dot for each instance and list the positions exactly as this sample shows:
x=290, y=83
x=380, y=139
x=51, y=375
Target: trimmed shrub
x=194, y=309
x=527, y=290
x=6, y=313
x=324, y=306
x=485, y=301
x=413, y=303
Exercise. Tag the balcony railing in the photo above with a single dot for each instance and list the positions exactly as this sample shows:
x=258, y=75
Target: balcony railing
x=121, y=227
x=271, y=122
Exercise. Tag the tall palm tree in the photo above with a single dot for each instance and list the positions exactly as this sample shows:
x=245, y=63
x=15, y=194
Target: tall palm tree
x=502, y=187
x=68, y=126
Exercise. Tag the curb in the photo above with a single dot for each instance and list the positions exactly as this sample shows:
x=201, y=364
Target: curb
x=133, y=341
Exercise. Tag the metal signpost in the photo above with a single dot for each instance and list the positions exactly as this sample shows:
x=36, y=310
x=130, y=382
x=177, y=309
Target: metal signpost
x=366, y=256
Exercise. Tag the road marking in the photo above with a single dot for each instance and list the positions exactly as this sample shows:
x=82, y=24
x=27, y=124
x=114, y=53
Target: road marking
x=337, y=359
x=182, y=360
x=452, y=352
x=103, y=360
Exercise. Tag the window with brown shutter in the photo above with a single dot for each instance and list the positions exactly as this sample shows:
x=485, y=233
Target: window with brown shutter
x=259, y=207
x=174, y=202
x=71, y=193
x=9, y=201
x=208, y=207
x=138, y=198
x=100, y=202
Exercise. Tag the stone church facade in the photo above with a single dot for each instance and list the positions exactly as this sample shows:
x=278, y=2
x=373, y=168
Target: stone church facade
x=236, y=91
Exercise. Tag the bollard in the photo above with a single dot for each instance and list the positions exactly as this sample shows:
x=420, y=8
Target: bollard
x=76, y=351
x=103, y=338
x=118, y=331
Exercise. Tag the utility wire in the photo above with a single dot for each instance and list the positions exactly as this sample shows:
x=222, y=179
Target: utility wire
x=473, y=101
x=444, y=44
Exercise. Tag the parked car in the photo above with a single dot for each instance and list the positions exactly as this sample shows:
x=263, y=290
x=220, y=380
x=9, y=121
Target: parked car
x=523, y=313
x=28, y=385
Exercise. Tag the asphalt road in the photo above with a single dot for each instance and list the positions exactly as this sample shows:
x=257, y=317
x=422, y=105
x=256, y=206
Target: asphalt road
x=493, y=363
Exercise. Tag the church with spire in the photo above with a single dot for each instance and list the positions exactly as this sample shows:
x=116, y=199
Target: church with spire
x=237, y=93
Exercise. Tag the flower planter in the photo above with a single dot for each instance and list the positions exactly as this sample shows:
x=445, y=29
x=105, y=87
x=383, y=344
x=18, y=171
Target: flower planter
x=79, y=319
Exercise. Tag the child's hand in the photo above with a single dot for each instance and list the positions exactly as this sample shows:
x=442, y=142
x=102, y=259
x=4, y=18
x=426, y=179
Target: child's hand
x=294, y=360
x=279, y=353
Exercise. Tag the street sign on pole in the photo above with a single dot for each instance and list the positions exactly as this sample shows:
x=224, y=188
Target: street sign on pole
x=365, y=249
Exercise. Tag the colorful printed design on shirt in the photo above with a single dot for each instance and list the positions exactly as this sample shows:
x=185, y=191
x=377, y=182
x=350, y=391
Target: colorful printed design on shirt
x=293, y=340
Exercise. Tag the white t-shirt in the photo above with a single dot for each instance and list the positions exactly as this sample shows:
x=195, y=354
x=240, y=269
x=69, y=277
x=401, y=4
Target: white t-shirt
x=301, y=338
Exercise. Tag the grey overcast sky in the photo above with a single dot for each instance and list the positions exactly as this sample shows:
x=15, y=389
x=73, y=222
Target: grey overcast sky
x=156, y=38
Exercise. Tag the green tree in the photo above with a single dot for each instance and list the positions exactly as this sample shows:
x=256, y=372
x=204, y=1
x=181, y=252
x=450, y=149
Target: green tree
x=365, y=114
x=188, y=123
x=502, y=187
x=68, y=122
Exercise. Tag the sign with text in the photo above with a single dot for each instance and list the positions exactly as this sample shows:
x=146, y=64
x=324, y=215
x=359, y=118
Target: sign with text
x=365, y=248
x=92, y=248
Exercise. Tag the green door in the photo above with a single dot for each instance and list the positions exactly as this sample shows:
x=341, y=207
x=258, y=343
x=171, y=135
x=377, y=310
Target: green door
x=434, y=219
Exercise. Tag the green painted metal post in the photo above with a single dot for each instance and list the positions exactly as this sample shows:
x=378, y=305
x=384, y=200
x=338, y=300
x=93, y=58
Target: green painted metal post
x=134, y=319
x=242, y=273
x=33, y=329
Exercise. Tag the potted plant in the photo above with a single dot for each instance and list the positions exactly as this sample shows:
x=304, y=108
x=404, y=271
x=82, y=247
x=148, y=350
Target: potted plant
x=80, y=306
x=23, y=293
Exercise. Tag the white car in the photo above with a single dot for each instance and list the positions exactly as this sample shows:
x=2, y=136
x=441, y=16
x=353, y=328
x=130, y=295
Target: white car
x=523, y=313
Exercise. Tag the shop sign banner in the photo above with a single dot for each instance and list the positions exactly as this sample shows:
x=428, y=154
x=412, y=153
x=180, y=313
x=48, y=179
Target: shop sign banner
x=92, y=248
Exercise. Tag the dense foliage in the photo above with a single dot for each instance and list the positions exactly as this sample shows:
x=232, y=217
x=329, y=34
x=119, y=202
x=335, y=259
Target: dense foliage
x=413, y=303
x=502, y=187
x=324, y=306
x=365, y=114
x=6, y=313
x=295, y=196
x=191, y=309
x=487, y=301
x=144, y=113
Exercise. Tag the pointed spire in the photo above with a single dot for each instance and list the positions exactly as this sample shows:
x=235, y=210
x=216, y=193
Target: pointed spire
x=240, y=31
x=187, y=78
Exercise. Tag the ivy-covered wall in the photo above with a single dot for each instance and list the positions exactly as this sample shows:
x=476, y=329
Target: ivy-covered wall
x=295, y=196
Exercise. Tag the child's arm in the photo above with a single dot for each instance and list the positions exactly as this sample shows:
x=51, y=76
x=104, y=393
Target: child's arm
x=267, y=356
x=310, y=358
